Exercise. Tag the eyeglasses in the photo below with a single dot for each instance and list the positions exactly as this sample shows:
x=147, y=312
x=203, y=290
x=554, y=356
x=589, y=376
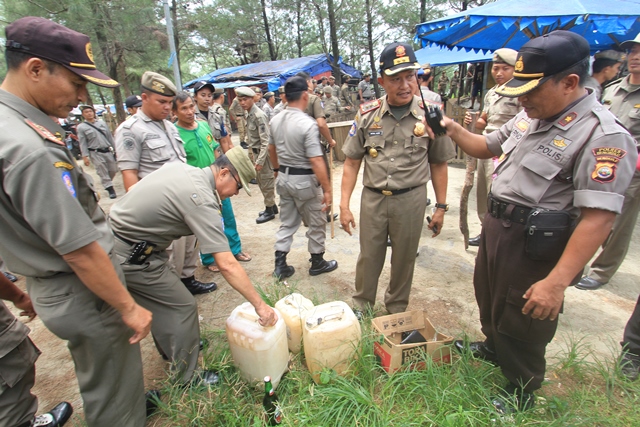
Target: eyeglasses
x=238, y=183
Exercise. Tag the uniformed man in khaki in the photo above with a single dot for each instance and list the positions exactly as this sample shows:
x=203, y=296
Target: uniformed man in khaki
x=605, y=67
x=365, y=89
x=258, y=97
x=18, y=356
x=279, y=108
x=330, y=103
x=238, y=115
x=179, y=200
x=97, y=144
x=314, y=109
x=219, y=121
x=258, y=140
x=563, y=158
x=63, y=248
x=426, y=77
x=442, y=83
x=455, y=84
x=303, y=182
x=345, y=93
x=147, y=142
x=497, y=111
x=270, y=102
x=388, y=134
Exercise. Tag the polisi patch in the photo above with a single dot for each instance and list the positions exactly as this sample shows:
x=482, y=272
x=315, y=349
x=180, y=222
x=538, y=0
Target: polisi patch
x=604, y=172
x=560, y=142
x=550, y=152
x=609, y=152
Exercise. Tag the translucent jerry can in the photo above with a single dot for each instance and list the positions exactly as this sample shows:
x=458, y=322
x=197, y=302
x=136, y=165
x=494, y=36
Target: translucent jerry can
x=257, y=351
x=330, y=333
x=293, y=309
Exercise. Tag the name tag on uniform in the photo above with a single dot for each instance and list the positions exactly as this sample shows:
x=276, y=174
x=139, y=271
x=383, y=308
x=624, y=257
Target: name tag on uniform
x=376, y=133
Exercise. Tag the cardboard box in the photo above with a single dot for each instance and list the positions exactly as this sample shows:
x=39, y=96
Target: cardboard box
x=393, y=356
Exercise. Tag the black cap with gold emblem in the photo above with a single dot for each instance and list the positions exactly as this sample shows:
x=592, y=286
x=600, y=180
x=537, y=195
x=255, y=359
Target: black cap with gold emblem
x=541, y=58
x=157, y=83
x=397, y=57
x=49, y=40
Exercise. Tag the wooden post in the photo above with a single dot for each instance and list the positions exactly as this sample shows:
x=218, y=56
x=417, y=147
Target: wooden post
x=333, y=233
x=468, y=185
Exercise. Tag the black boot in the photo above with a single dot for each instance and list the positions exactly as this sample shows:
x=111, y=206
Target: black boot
x=282, y=270
x=112, y=192
x=267, y=215
x=275, y=210
x=319, y=265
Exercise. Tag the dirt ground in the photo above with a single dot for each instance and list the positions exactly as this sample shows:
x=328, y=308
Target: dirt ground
x=442, y=286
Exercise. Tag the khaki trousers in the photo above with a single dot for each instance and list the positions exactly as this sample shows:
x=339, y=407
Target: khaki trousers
x=485, y=178
x=266, y=180
x=183, y=256
x=242, y=128
x=401, y=218
x=17, y=376
x=108, y=368
x=105, y=165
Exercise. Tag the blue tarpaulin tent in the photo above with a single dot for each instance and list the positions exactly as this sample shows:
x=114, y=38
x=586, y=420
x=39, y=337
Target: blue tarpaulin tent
x=511, y=23
x=439, y=56
x=271, y=73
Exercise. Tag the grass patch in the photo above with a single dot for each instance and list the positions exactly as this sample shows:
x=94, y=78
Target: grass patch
x=579, y=392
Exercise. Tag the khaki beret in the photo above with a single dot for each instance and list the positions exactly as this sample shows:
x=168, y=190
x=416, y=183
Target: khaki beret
x=611, y=54
x=158, y=83
x=242, y=165
x=629, y=43
x=257, y=89
x=328, y=89
x=505, y=55
x=245, y=91
x=281, y=89
x=218, y=90
x=268, y=94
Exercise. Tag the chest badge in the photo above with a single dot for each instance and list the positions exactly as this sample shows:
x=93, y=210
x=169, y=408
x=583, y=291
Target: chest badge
x=560, y=142
x=373, y=152
x=376, y=125
x=419, y=129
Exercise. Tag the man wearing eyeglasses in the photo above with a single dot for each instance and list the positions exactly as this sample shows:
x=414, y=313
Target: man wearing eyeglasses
x=180, y=200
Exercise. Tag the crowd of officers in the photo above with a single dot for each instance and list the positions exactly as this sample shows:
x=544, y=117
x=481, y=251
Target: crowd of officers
x=556, y=157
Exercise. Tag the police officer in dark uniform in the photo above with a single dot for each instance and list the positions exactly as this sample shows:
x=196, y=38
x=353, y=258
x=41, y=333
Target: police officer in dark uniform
x=563, y=158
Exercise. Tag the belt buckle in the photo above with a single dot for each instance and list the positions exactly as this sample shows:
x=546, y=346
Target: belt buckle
x=387, y=192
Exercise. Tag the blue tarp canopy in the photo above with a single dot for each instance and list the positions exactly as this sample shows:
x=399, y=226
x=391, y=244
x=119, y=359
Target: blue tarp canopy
x=271, y=73
x=440, y=55
x=511, y=23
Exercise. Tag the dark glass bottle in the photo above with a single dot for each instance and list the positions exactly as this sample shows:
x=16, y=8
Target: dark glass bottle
x=270, y=403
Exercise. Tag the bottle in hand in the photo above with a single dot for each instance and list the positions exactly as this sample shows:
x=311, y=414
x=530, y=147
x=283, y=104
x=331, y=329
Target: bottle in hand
x=270, y=403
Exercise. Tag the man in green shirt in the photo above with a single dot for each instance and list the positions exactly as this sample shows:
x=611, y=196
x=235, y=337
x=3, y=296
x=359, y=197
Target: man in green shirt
x=202, y=150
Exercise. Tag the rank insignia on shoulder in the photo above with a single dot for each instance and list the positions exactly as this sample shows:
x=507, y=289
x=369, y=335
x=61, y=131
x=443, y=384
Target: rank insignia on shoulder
x=369, y=106
x=63, y=165
x=635, y=106
x=568, y=119
x=43, y=132
x=523, y=125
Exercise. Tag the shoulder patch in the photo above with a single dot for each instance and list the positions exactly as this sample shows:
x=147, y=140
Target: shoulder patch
x=44, y=132
x=63, y=165
x=369, y=106
x=68, y=182
x=128, y=123
x=353, y=129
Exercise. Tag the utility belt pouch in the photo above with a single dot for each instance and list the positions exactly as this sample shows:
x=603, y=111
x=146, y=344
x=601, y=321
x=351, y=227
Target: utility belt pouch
x=547, y=234
x=140, y=252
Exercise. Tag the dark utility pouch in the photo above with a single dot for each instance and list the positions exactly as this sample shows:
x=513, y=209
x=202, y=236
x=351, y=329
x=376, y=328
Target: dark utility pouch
x=141, y=251
x=547, y=234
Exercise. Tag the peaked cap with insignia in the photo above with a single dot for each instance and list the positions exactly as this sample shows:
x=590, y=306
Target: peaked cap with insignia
x=157, y=83
x=49, y=40
x=397, y=57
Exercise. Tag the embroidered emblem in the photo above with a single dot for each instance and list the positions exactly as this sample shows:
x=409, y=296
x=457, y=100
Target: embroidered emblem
x=568, y=119
x=519, y=65
x=604, y=172
x=609, y=154
x=63, y=165
x=128, y=144
x=43, y=132
x=560, y=142
x=68, y=182
x=400, y=51
x=523, y=125
x=376, y=125
x=353, y=129
x=157, y=86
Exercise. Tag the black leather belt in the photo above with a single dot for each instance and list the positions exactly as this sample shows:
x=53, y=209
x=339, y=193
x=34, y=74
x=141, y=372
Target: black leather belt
x=100, y=150
x=122, y=239
x=295, y=171
x=391, y=192
x=255, y=150
x=507, y=211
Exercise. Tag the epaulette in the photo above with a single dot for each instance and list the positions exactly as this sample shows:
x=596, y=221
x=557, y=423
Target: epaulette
x=44, y=132
x=608, y=122
x=128, y=123
x=367, y=107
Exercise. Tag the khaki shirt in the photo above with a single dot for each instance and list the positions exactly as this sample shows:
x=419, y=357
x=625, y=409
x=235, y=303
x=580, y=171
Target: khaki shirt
x=279, y=108
x=314, y=107
x=402, y=160
x=258, y=133
x=12, y=333
x=145, y=145
x=331, y=106
x=90, y=137
x=345, y=96
x=236, y=110
x=623, y=100
x=48, y=205
x=499, y=110
x=218, y=118
x=336, y=91
x=584, y=158
x=268, y=111
x=296, y=138
x=175, y=201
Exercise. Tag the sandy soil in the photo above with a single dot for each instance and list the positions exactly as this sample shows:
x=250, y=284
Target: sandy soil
x=442, y=286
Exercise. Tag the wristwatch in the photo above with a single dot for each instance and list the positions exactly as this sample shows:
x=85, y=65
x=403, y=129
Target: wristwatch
x=443, y=206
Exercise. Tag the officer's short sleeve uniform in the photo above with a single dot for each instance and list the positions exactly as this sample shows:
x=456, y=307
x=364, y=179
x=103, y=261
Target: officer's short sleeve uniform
x=179, y=201
x=144, y=145
x=499, y=110
x=314, y=107
x=624, y=99
x=544, y=164
x=258, y=133
x=287, y=129
x=401, y=159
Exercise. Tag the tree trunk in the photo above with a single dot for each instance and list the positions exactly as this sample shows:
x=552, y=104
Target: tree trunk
x=298, y=30
x=372, y=58
x=176, y=39
x=423, y=11
x=272, y=51
x=334, y=42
